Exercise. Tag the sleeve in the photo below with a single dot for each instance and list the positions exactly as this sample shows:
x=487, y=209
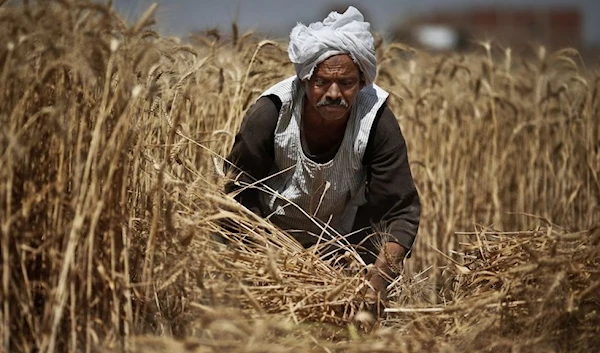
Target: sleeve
x=252, y=154
x=392, y=197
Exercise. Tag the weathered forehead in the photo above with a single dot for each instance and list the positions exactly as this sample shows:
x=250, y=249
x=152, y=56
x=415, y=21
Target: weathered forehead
x=341, y=64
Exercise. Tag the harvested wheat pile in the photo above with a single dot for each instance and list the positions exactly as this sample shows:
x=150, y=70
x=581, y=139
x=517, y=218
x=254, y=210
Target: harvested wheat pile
x=528, y=291
x=111, y=199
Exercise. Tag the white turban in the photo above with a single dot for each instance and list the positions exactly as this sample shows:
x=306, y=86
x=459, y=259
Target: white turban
x=347, y=33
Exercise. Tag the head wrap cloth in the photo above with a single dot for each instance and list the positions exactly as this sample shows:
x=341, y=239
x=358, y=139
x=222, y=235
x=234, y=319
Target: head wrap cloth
x=345, y=33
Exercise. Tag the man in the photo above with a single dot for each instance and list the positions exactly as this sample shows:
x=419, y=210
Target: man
x=326, y=154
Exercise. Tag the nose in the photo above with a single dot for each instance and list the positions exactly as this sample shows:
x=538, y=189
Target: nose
x=333, y=92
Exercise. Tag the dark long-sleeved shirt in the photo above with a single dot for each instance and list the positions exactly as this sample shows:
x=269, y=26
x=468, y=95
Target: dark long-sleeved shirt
x=393, y=204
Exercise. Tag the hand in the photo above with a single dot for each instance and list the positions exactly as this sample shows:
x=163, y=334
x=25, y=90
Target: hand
x=377, y=284
x=386, y=268
x=372, y=304
x=373, y=293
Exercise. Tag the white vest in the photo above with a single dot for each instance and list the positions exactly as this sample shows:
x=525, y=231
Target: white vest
x=310, y=199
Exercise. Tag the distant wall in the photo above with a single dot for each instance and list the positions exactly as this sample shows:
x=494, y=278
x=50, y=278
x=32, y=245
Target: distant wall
x=517, y=28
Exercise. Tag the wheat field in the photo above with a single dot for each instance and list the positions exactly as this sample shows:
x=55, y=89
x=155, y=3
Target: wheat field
x=111, y=148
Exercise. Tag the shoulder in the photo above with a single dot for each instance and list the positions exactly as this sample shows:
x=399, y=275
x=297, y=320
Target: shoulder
x=386, y=129
x=263, y=114
x=269, y=104
x=385, y=137
x=283, y=89
x=371, y=94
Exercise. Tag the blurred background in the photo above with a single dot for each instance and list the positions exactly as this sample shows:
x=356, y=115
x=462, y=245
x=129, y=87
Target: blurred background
x=436, y=25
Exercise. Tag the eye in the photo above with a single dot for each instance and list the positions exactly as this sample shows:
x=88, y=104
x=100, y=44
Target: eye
x=347, y=83
x=319, y=82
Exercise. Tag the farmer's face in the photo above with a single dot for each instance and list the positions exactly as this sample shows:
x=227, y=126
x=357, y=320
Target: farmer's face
x=333, y=87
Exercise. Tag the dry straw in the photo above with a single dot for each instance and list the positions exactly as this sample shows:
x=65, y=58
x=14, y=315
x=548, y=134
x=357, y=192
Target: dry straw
x=111, y=203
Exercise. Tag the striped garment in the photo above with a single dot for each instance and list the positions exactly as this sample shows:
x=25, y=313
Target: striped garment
x=310, y=199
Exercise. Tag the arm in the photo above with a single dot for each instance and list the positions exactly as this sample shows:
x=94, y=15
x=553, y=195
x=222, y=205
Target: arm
x=391, y=196
x=252, y=154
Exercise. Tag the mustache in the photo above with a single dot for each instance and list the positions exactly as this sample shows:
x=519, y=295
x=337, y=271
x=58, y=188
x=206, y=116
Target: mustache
x=326, y=101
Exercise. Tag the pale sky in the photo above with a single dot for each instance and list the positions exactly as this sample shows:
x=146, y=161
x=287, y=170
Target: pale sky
x=277, y=17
